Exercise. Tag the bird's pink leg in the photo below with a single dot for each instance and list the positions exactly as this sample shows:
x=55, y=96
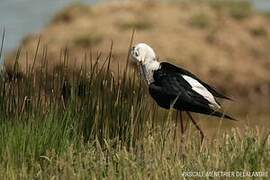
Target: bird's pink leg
x=181, y=123
x=197, y=126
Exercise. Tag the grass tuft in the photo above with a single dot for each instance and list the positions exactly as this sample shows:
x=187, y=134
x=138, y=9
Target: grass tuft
x=72, y=11
x=137, y=24
x=259, y=32
x=200, y=20
x=87, y=40
x=237, y=9
x=266, y=14
x=240, y=10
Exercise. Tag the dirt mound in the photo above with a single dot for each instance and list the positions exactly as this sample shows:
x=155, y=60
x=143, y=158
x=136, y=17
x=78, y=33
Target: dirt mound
x=225, y=43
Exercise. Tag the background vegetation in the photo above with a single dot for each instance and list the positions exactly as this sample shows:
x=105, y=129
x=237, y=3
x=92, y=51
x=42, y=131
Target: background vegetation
x=220, y=40
x=97, y=120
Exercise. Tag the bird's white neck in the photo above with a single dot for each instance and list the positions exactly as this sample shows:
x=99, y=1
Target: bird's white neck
x=147, y=69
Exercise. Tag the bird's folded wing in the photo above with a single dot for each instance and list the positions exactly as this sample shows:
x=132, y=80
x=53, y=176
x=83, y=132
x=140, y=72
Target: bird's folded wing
x=174, y=69
x=175, y=86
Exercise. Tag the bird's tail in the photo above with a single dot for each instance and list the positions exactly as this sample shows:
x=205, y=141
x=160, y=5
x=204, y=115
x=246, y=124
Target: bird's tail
x=222, y=115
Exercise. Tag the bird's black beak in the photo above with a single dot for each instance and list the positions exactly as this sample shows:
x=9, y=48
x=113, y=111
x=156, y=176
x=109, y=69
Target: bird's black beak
x=132, y=49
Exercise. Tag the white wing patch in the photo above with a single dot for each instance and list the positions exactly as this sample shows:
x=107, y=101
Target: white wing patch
x=200, y=89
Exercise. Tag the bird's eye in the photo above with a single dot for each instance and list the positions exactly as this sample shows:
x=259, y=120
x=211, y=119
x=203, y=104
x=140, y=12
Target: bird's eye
x=136, y=53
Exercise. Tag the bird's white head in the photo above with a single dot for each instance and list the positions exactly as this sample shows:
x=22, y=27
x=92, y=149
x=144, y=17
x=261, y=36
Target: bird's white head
x=145, y=57
x=142, y=53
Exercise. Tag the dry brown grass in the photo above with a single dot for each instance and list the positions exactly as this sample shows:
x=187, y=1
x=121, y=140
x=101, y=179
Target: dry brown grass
x=225, y=50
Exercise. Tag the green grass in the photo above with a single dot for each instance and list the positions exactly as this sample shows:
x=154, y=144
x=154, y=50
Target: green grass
x=89, y=124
